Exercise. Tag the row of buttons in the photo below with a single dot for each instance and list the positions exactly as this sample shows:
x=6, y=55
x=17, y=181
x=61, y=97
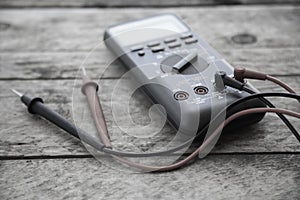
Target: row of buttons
x=171, y=42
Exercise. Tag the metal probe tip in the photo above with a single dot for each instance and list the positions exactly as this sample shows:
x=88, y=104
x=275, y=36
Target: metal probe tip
x=83, y=71
x=16, y=92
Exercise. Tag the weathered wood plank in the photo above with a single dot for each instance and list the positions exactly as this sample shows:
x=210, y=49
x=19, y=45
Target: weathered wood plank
x=81, y=30
x=133, y=3
x=65, y=36
x=215, y=177
x=281, y=61
x=58, y=65
x=24, y=134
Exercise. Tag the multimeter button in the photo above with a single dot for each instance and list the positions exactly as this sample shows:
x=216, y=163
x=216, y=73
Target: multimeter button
x=141, y=53
x=175, y=44
x=169, y=40
x=190, y=40
x=187, y=35
x=153, y=44
x=136, y=48
x=157, y=49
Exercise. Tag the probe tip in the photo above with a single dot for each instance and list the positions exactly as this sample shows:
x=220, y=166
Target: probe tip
x=16, y=92
x=83, y=71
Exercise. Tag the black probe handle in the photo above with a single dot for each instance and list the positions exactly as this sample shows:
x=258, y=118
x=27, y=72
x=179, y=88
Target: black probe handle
x=36, y=106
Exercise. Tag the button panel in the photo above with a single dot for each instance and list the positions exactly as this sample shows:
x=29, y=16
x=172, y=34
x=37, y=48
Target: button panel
x=158, y=46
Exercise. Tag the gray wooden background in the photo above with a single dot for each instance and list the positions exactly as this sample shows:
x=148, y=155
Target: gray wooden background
x=42, y=45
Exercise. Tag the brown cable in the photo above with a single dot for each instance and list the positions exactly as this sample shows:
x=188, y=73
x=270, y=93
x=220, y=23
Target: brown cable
x=280, y=83
x=241, y=73
x=90, y=91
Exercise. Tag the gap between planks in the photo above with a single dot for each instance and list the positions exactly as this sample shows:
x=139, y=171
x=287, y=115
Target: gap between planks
x=15, y=4
x=42, y=157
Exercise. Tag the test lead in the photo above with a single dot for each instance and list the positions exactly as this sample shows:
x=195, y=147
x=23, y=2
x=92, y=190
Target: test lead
x=237, y=103
x=89, y=89
x=35, y=105
x=222, y=80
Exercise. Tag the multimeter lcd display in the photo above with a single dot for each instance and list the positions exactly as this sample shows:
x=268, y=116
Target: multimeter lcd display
x=146, y=30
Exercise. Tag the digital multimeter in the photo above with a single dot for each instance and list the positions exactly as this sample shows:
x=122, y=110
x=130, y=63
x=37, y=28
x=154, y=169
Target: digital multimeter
x=177, y=68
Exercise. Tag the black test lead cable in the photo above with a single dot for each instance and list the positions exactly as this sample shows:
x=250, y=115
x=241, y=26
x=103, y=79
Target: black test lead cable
x=36, y=103
x=36, y=106
x=222, y=79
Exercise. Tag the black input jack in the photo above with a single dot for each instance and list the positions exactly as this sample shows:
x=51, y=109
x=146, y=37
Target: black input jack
x=181, y=95
x=201, y=90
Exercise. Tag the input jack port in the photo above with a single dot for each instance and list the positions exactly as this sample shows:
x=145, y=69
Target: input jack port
x=201, y=90
x=181, y=95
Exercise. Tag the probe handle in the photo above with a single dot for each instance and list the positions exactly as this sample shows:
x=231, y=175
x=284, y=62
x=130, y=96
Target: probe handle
x=89, y=89
x=36, y=106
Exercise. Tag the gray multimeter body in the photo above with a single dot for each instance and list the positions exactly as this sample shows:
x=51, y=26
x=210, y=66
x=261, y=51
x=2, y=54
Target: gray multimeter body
x=177, y=70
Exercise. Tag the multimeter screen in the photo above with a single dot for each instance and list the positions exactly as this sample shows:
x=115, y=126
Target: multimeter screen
x=147, y=29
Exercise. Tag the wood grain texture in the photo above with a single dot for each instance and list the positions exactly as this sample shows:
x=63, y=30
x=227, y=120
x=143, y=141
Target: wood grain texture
x=64, y=65
x=216, y=177
x=72, y=30
x=26, y=135
x=40, y=53
x=133, y=3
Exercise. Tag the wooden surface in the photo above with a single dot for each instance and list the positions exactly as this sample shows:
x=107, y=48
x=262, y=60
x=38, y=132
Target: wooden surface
x=135, y=3
x=41, y=50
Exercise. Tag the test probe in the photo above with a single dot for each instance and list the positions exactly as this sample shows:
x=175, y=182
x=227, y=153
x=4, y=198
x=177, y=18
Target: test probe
x=90, y=88
x=36, y=106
